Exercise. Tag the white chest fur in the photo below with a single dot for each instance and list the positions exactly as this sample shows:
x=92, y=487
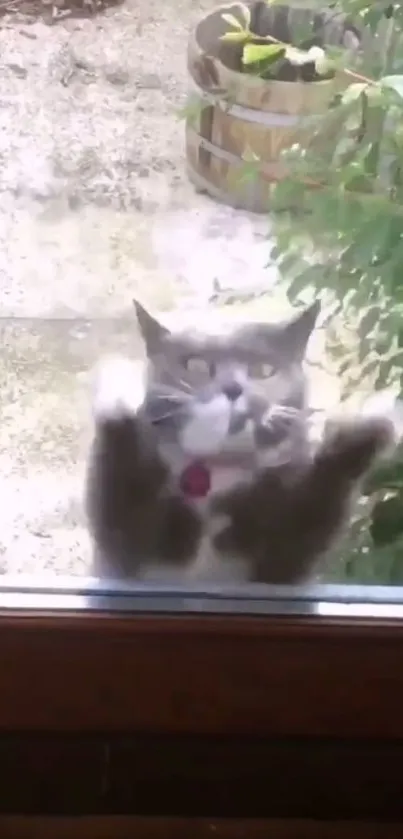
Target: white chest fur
x=207, y=565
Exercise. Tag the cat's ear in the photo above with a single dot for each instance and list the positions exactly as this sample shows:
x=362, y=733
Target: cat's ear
x=298, y=330
x=151, y=329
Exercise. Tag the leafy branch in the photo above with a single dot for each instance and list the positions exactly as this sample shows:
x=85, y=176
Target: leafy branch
x=347, y=247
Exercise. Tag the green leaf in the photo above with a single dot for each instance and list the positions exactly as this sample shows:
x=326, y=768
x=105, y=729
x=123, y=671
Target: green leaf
x=193, y=109
x=372, y=17
x=385, y=476
x=288, y=261
x=246, y=14
x=345, y=150
x=387, y=520
x=370, y=367
x=310, y=277
x=249, y=155
x=344, y=366
x=248, y=173
x=233, y=21
x=238, y=37
x=364, y=348
x=371, y=161
x=374, y=94
x=275, y=254
x=397, y=359
x=253, y=53
x=353, y=93
x=394, y=82
x=369, y=321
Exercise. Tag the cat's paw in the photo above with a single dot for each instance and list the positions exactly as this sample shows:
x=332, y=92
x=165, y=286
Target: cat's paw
x=384, y=405
x=119, y=389
x=378, y=425
x=352, y=445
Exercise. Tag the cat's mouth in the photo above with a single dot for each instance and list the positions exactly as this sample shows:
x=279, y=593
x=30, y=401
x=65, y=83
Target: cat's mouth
x=238, y=422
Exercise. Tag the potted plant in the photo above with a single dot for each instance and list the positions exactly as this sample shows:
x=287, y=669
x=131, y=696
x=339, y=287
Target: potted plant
x=259, y=73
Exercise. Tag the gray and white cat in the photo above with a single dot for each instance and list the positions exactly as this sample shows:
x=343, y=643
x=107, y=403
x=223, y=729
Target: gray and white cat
x=204, y=469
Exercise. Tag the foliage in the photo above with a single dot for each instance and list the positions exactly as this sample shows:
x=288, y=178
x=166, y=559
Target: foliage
x=265, y=55
x=347, y=175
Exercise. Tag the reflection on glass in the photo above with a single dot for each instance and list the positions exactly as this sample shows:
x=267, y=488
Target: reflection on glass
x=140, y=145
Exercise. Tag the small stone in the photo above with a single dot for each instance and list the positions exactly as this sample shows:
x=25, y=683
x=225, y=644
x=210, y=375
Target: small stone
x=138, y=203
x=27, y=34
x=82, y=64
x=150, y=81
x=19, y=71
x=149, y=206
x=117, y=76
x=74, y=202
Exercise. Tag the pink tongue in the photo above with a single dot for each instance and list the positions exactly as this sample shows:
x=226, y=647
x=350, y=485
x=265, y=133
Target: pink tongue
x=195, y=480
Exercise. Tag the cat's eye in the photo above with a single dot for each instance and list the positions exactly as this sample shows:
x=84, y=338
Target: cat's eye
x=260, y=370
x=198, y=366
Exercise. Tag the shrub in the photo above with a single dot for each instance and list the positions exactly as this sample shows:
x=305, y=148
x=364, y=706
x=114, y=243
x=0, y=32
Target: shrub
x=347, y=247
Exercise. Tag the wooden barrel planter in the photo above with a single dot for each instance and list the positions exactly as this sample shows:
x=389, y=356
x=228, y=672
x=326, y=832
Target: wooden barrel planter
x=236, y=117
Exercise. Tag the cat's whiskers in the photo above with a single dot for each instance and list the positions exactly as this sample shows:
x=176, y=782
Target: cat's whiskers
x=164, y=417
x=268, y=420
x=169, y=414
x=278, y=412
x=180, y=385
x=178, y=397
x=173, y=391
x=186, y=386
x=286, y=409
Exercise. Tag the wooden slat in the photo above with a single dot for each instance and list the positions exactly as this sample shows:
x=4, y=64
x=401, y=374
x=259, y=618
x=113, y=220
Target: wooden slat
x=201, y=674
x=127, y=828
x=41, y=774
x=228, y=777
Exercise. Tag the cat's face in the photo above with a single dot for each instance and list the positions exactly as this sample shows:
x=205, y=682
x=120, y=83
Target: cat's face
x=205, y=392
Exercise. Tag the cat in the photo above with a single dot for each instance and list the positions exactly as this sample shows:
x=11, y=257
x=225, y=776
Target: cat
x=203, y=468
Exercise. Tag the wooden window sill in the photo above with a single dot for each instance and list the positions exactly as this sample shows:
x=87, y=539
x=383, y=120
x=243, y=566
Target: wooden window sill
x=227, y=716
x=127, y=828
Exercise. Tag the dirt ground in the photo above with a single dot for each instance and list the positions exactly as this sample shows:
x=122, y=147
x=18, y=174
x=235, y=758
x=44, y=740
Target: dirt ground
x=95, y=209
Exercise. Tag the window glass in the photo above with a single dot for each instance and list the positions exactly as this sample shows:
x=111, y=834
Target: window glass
x=201, y=293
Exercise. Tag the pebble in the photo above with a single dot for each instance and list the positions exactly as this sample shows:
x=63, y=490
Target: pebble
x=149, y=81
x=117, y=77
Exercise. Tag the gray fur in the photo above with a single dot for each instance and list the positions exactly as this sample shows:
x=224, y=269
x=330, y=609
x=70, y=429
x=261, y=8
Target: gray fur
x=275, y=506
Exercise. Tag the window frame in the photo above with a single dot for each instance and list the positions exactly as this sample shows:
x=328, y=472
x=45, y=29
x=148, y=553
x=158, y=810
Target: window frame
x=289, y=642
x=99, y=703
x=127, y=827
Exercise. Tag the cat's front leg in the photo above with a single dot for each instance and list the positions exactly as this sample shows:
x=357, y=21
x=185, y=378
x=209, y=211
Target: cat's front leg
x=125, y=473
x=288, y=516
x=351, y=446
x=321, y=502
x=125, y=443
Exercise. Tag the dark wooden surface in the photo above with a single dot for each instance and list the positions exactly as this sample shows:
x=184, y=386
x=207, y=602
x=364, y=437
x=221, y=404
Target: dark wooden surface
x=201, y=716
x=198, y=776
x=236, y=675
x=128, y=828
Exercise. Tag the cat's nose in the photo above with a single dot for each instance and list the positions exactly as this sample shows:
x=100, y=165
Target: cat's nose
x=232, y=390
